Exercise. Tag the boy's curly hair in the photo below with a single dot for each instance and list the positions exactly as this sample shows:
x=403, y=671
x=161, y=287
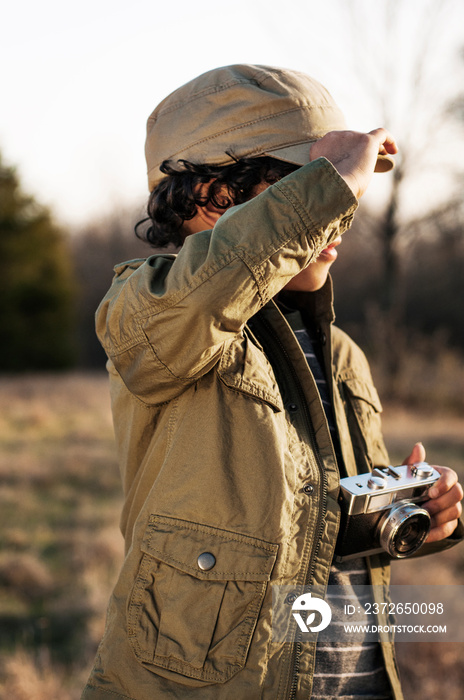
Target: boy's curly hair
x=174, y=200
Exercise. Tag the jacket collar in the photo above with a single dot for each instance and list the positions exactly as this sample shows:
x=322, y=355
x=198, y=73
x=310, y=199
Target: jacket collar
x=314, y=306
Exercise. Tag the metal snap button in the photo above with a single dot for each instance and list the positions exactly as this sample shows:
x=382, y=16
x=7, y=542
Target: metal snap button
x=290, y=598
x=206, y=561
x=322, y=336
x=308, y=489
x=292, y=407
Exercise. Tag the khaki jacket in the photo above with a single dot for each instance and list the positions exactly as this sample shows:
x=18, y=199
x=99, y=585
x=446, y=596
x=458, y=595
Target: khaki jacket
x=225, y=451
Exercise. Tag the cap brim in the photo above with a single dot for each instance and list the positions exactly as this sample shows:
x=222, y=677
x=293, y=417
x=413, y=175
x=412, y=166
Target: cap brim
x=384, y=164
x=299, y=154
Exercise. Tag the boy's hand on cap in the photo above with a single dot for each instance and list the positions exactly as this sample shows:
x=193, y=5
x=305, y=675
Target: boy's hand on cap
x=354, y=154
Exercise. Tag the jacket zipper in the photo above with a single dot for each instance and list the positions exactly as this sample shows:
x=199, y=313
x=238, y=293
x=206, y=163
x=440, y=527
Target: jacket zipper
x=276, y=344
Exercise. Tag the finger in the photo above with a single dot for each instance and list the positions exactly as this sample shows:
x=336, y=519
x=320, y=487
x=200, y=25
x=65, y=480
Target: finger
x=446, y=515
x=442, y=531
x=417, y=454
x=448, y=478
x=450, y=499
x=387, y=143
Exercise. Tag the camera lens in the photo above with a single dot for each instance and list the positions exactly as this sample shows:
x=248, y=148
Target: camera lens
x=411, y=534
x=404, y=530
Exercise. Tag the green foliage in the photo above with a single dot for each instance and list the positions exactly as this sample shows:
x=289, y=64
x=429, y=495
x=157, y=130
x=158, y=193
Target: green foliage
x=36, y=304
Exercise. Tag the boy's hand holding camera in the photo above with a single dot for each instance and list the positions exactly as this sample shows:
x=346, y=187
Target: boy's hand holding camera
x=446, y=495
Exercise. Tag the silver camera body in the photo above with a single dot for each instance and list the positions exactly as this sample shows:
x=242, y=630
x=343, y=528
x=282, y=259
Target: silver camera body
x=381, y=512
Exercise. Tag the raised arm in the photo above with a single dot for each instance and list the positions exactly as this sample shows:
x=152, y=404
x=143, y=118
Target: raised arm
x=166, y=321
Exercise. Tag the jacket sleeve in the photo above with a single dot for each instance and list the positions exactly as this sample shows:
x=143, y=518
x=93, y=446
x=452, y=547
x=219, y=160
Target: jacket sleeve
x=167, y=322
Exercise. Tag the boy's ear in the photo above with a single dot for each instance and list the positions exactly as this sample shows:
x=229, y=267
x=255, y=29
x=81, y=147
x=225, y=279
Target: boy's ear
x=209, y=214
x=206, y=216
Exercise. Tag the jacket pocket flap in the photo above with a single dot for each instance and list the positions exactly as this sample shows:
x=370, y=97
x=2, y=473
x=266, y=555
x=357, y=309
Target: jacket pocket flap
x=364, y=391
x=245, y=368
x=235, y=557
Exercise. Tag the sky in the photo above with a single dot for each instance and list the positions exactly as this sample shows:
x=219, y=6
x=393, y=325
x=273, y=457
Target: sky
x=79, y=80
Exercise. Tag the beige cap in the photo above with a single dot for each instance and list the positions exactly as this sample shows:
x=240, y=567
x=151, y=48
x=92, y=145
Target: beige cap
x=242, y=111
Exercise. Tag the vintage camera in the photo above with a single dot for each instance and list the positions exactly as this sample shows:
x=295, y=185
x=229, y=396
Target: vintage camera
x=381, y=512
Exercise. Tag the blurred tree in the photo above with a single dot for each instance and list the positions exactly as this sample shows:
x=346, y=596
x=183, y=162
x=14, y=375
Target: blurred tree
x=432, y=290
x=407, y=75
x=36, y=304
x=97, y=248
x=434, y=282
x=407, y=69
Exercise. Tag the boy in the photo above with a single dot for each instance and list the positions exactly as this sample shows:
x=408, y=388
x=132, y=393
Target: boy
x=237, y=405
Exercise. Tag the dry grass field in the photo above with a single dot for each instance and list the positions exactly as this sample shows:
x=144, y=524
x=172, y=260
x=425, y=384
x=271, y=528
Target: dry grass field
x=60, y=547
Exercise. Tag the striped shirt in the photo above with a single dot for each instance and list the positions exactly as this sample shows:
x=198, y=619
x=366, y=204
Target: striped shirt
x=342, y=670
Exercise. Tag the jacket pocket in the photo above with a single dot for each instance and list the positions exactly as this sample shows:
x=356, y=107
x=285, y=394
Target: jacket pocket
x=196, y=599
x=364, y=410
